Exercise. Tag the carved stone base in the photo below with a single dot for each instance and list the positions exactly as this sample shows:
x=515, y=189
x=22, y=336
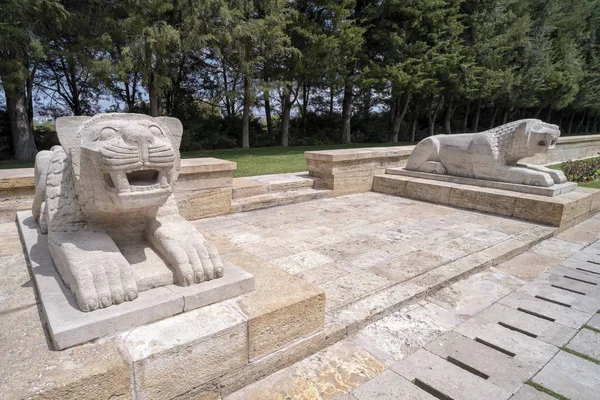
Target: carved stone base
x=562, y=211
x=552, y=191
x=69, y=326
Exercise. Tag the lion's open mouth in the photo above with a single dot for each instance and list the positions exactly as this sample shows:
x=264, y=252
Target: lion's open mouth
x=141, y=180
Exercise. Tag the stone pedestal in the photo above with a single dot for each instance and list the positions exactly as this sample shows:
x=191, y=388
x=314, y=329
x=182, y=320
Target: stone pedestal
x=352, y=170
x=69, y=326
x=561, y=211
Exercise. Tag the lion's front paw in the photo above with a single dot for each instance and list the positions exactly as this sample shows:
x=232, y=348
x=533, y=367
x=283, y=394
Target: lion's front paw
x=194, y=259
x=100, y=275
x=539, y=179
x=557, y=176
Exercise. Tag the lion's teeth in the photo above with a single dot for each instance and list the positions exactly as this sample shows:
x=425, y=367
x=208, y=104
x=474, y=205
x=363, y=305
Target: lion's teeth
x=162, y=179
x=120, y=180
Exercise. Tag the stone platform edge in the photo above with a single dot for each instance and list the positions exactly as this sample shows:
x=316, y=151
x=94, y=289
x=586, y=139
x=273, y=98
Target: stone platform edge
x=561, y=211
x=552, y=191
x=68, y=326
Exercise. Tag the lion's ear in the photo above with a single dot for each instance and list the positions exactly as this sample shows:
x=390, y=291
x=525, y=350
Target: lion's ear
x=175, y=128
x=66, y=129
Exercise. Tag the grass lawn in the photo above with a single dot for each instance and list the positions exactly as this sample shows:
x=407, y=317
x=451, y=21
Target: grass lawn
x=254, y=161
x=594, y=184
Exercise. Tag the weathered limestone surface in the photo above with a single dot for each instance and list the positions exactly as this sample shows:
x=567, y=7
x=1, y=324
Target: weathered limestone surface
x=561, y=211
x=282, y=308
x=352, y=170
x=30, y=369
x=178, y=354
x=491, y=155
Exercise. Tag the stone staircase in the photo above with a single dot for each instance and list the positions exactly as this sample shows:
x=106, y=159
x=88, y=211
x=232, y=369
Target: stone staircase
x=265, y=191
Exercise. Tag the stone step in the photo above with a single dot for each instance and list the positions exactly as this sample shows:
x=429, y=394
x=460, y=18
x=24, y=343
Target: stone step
x=278, y=199
x=263, y=184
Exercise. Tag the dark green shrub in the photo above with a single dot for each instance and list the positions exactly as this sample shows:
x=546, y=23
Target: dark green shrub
x=582, y=170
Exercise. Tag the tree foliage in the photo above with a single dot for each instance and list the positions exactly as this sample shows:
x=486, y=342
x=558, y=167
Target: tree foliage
x=266, y=72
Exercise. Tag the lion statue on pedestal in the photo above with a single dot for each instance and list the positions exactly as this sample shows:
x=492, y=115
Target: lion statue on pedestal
x=491, y=155
x=111, y=183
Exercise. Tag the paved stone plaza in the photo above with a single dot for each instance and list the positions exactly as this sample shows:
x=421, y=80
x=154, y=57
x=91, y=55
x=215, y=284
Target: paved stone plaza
x=532, y=318
x=353, y=246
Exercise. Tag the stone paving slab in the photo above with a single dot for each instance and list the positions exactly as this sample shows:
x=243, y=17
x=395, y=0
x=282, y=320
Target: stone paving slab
x=583, y=265
x=402, y=333
x=391, y=386
x=475, y=293
x=527, y=266
x=335, y=371
x=446, y=378
x=500, y=369
x=545, y=330
x=557, y=248
x=586, y=342
x=568, y=299
x=595, y=321
x=571, y=376
x=588, y=288
x=525, y=349
x=569, y=317
x=529, y=393
x=576, y=274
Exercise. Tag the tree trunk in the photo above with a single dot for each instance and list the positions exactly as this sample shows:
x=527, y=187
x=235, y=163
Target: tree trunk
x=448, y=116
x=580, y=122
x=537, y=113
x=493, y=120
x=507, y=112
x=595, y=125
x=549, y=115
x=399, y=113
x=477, y=114
x=571, y=123
x=367, y=100
x=434, y=108
x=562, y=114
x=331, y=96
x=285, y=118
x=413, y=128
x=347, y=112
x=153, y=95
x=246, y=116
x=268, y=113
x=20, y=125
x=305, y=98
x=466, y=120
x=587, y=124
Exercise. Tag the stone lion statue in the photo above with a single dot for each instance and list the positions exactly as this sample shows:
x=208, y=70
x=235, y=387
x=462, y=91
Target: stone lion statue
x=491, y=155
x=110, y=183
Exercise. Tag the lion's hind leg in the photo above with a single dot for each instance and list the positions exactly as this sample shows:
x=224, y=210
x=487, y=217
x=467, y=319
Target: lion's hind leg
x=426, y=157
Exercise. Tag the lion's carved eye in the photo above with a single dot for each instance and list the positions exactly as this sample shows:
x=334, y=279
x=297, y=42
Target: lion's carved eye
x=107, y=133
x=155, y=130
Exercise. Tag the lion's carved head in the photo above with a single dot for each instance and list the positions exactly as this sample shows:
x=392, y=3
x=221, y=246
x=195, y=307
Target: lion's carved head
x=122, y=161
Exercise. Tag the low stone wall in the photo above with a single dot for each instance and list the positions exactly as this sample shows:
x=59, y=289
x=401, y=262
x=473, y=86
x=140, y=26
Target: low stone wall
x=569, y=148
x=204, y=188
x=348, y=171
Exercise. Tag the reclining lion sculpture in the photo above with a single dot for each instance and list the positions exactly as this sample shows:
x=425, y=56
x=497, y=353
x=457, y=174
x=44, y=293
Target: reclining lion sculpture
x=491, y=155
x=111, y=182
